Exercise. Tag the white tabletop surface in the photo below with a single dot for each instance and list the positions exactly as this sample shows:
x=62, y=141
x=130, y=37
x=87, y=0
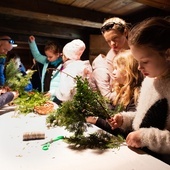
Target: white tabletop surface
x=16, y=154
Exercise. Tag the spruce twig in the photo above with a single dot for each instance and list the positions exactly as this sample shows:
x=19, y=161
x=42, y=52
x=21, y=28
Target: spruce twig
x=71, y=114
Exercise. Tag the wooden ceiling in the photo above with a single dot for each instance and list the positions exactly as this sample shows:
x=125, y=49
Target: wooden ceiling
x=68, y=19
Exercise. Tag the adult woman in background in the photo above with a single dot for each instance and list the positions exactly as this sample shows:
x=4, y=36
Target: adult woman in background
x=114, y=31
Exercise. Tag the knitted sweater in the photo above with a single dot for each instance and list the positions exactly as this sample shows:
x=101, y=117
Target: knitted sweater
x=152, y=117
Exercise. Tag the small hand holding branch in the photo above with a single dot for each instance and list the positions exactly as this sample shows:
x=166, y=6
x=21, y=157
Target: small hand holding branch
x=133, y=139
x=115, y=121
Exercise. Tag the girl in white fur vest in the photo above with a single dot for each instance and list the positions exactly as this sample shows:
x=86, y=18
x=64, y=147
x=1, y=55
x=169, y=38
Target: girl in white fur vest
x=150, y=125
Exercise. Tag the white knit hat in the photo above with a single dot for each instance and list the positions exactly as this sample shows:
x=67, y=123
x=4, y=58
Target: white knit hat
x=74, y=49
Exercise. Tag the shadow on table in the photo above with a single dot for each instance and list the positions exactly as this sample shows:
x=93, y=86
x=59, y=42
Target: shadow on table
x=163, y=157
x=6, y=109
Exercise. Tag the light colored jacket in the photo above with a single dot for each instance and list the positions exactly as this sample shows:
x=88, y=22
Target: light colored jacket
x=43, y=60
x=71, y=69
x=152, y=117
x=110, y=58
x=103, y=76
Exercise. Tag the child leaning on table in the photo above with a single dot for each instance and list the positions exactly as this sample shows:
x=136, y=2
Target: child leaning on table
x=150, y=125
x=127, y=84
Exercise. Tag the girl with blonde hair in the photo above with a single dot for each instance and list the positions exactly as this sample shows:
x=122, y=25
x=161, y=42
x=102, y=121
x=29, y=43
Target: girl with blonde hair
x=127, y=85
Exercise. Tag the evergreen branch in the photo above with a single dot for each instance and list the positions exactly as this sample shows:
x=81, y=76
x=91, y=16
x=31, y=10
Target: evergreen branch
x=71, y=114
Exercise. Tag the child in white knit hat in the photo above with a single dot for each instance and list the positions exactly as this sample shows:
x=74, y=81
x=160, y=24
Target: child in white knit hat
x=73, y=66
x=73, y=50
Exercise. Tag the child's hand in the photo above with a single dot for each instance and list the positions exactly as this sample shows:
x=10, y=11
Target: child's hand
x=133, y=139
x=31, y=38
x=15, y=93
x=48, y=95
x=116, y=121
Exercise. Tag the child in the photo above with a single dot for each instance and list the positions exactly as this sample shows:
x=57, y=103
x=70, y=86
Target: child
x=52, y=60
x=150, y=125
x=72, y=67
x=127, y=85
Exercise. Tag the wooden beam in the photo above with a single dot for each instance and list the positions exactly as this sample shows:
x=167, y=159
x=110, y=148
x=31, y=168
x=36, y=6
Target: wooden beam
x=50, y=11
x=34, y=27
x=160, y=4
x=49, y=17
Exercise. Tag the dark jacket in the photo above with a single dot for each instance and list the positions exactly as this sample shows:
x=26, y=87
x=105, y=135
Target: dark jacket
x=6, y=98
x=2, y=77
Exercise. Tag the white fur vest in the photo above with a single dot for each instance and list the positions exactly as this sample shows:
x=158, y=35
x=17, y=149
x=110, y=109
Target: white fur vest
x=152, y=117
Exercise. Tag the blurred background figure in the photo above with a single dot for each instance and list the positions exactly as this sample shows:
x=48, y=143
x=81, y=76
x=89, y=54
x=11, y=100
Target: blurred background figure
x=5, y=46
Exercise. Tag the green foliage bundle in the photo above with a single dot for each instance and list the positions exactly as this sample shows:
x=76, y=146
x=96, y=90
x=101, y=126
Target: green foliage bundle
x=85, y=102
x=14, y=79
x=26, y=101
x=71, y=114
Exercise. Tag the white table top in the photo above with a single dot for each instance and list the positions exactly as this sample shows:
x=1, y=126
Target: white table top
x=16, y=154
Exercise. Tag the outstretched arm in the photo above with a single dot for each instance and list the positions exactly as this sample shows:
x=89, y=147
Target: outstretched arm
x=35, y=52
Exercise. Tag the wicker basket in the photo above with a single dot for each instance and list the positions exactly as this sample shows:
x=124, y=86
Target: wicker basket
x=47, y=108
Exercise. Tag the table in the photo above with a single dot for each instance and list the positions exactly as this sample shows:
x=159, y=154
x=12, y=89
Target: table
x=16, y=154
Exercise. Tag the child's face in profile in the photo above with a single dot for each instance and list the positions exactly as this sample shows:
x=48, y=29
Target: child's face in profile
x=51, y=56
x=151, y=63
x=119, y=74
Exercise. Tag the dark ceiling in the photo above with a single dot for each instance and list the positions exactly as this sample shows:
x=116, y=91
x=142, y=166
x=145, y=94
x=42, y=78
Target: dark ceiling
x=69, y=19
